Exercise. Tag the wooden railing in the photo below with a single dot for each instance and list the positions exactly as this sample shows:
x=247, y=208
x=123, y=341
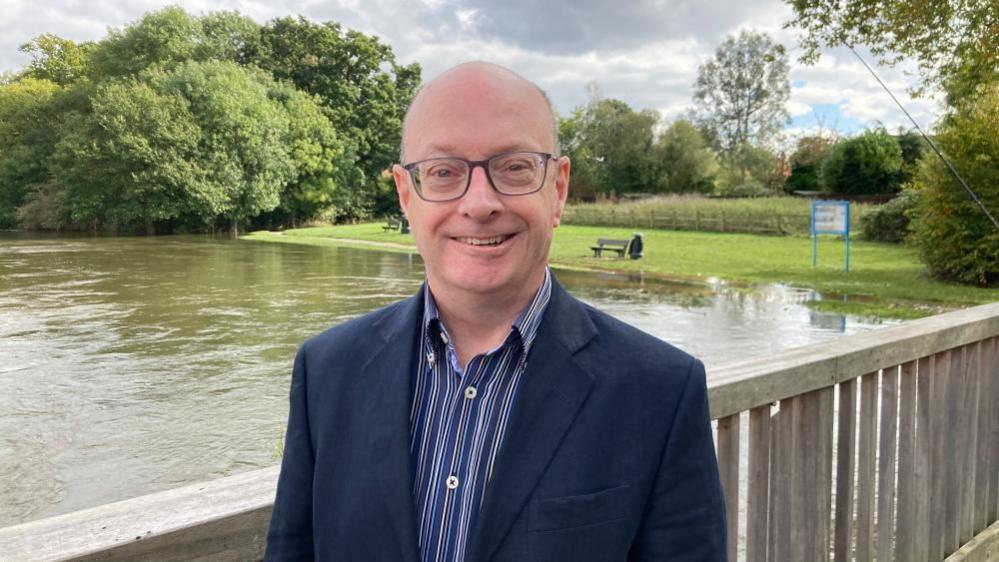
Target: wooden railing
x=880, y=446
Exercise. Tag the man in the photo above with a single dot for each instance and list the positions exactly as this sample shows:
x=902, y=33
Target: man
x=493, y=416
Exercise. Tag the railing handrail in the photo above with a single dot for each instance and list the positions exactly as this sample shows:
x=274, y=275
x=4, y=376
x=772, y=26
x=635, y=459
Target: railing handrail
x=741, y=386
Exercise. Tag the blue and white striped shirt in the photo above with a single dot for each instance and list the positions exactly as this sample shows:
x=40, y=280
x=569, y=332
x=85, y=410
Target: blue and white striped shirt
x=458, y=421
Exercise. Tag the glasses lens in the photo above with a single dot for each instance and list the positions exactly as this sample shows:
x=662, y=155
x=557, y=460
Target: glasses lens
x=517, y=173
x=441, y=178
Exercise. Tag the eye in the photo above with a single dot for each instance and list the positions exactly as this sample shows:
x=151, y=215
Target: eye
x=441, y=171
x=515, y=164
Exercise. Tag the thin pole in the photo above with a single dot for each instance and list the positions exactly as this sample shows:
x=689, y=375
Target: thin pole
x=932, y=144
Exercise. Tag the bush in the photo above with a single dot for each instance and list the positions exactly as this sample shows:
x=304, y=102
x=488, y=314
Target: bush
x=890, y=222
x=955, y=238
x=749, y=188
x=866, y=164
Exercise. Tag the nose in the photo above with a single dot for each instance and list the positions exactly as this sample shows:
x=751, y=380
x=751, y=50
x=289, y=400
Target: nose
x=481, y=202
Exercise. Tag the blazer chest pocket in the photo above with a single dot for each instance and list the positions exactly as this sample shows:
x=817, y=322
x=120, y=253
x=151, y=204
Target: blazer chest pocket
x=548, y=514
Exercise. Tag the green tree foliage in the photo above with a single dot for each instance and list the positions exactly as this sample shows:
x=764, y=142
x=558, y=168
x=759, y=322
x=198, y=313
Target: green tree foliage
x=201, y=141
x=130, y=160
x=165, y=38
x=57, y=60
x=869, y=163
x=359, y=82
x=742, y=91
x=806, y=162
x=956, y=240
x=27, y=138
x=688, y=164
x=955, y=42
x=572, y=138
x=610, y=146
x=181, y=121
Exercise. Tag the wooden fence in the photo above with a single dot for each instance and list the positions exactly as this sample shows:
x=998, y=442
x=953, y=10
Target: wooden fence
x=722, y=221
x=879, y=446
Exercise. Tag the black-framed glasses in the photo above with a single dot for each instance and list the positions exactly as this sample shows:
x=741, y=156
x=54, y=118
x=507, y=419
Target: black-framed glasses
x=511, y=173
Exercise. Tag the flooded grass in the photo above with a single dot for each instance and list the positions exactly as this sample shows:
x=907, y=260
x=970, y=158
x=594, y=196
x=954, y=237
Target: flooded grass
x=890, y=274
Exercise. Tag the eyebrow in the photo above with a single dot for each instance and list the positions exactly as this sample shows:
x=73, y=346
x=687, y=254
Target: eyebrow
x=446, y=149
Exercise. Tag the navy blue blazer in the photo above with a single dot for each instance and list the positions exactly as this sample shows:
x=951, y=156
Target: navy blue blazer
x=608, y=454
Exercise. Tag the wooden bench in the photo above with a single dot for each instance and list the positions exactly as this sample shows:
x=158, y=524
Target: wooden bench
x=619, y=246
x=394, y=223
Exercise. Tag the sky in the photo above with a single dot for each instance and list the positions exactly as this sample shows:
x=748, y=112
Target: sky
x=645, y=52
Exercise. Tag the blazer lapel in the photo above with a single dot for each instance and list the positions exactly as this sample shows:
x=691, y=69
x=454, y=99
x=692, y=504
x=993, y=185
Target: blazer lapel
x=389, y=399
x=552, y=390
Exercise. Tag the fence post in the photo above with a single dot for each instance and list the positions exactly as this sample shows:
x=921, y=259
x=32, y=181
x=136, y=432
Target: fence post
x=697, y=219
x=723, y=221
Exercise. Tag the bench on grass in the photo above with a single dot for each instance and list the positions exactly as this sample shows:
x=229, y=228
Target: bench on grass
x=619, y=246
x=394, y=223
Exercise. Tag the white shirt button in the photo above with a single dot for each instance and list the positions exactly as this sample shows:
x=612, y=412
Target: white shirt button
x=443, y=337
x=430, y=357
x=452, y=482
x=470, y=392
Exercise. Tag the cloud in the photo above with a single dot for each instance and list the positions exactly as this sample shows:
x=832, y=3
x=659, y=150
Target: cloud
x=645, y=52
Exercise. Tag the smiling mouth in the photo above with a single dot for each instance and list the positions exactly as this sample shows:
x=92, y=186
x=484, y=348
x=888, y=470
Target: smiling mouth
x=491, y=241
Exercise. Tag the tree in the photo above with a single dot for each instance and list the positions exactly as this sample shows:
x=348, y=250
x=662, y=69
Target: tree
x=132, y=160
x=57, y=60
x=365, y=91
x=866, y=164
x=955, y=42
x=954, y=237
x=742, y=91
x=611, y=146
x=166, y=38
x=27, y=138
x=806, y=162
x=572, y=138
x=688, y=164
x=201, y=141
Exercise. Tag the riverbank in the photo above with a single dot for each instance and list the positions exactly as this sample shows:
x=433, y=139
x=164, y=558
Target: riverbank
x=885, y=280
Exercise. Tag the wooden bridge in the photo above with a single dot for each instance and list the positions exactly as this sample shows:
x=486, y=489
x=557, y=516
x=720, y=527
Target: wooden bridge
x=880, y=446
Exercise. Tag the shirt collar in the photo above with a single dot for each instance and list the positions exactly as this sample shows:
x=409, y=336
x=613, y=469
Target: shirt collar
x=526, y=325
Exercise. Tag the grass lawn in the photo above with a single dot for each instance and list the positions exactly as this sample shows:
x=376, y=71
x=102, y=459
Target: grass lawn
x=885, y=280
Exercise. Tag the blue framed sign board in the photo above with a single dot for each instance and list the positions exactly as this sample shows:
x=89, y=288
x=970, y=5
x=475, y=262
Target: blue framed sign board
x=830, y=217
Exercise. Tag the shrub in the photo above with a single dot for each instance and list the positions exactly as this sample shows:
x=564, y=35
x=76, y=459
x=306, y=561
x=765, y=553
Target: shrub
x=749, y=188
x=890, y=222
x=955, y=238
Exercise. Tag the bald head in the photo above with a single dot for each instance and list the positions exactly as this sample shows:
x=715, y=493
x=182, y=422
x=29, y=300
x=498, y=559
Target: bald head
x=485, y=81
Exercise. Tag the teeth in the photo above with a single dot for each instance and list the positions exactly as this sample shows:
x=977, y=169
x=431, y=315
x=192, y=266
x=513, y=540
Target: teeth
x=483, y=241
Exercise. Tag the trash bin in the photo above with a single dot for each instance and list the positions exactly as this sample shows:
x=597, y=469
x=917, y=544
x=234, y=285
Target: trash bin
x=636, y=246
x=404, y=226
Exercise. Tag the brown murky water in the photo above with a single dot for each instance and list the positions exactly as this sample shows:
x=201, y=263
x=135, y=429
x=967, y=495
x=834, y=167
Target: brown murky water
x=132, y=365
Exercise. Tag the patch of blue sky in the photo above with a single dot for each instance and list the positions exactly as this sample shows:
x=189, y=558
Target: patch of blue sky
x=831, y=117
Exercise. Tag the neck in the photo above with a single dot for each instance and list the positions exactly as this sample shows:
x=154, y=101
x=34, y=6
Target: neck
x=480, y=322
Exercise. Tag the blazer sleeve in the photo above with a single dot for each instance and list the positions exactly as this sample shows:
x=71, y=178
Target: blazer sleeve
x=289, y=536
x=685, y=515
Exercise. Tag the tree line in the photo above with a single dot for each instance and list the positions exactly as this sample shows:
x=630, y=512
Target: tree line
x=189, y=123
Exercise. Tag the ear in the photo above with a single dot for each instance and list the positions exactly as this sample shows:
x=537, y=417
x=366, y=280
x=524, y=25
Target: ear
x=562, y=169
x=401, y=178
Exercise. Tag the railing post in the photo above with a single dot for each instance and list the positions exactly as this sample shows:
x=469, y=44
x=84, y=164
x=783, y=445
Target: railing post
x=846, y=443
x=886, y=464
x=728, y=465
x=757, y=509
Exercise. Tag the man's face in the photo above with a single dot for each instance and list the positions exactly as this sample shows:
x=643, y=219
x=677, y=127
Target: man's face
x=476, y=113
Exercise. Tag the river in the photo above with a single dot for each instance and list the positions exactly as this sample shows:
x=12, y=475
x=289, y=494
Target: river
x=130, y=365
